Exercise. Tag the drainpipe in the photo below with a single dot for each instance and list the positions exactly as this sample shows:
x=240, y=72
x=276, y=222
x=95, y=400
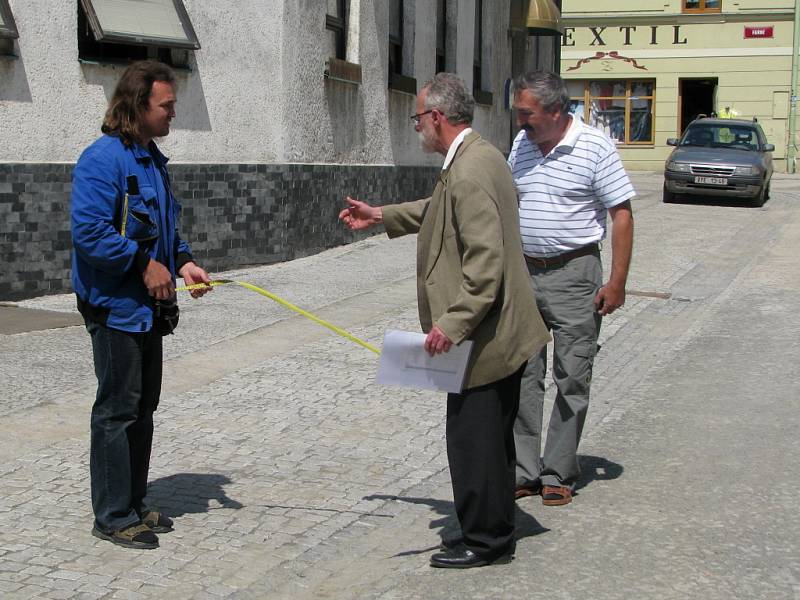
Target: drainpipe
x=791, y=151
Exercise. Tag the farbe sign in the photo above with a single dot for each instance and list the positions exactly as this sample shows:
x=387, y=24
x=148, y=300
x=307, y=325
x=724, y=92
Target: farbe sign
x=759, y=32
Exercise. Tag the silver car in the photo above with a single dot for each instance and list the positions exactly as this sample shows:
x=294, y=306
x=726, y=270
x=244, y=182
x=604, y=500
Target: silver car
x=720, y=157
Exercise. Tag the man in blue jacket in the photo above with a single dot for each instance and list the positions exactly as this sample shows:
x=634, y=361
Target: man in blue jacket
x=127, y=253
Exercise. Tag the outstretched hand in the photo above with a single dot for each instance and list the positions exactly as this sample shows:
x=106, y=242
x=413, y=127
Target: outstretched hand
x=360, y=215
x=192, y=274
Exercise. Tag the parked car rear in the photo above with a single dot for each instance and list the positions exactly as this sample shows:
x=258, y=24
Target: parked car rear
x=720, y=157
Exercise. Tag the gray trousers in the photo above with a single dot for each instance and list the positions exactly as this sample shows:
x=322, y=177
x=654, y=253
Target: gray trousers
x=565, y=296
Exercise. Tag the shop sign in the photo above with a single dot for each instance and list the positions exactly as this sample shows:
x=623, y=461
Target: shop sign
x=628, y=35
x=758, y=32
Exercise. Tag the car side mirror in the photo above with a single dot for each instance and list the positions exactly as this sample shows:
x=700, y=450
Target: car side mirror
x=769, y=147
x=672, y=141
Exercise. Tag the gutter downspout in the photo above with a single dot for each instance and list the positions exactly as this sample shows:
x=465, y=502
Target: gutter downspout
x=791, y=150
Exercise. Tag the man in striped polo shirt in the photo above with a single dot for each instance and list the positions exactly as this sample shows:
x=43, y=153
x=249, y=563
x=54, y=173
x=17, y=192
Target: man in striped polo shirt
x=569, y=178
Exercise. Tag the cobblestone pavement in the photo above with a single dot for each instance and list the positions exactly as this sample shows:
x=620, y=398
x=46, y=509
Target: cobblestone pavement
x=290, y=474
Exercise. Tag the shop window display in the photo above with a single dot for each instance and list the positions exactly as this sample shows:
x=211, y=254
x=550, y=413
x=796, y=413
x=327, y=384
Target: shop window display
x=623, y=109
x=698, y=6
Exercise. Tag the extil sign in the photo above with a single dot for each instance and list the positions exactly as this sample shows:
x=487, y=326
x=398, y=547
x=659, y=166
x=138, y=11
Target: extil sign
x=627, y=35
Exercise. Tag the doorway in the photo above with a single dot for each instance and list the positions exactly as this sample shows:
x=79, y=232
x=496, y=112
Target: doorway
x=695, y=97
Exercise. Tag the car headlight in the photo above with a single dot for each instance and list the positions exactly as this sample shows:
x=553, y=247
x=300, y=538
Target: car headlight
x=678, y=166
x=746, y=171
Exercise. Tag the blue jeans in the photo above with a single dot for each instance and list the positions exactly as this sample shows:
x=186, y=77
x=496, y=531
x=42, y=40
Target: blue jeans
x=128, y=369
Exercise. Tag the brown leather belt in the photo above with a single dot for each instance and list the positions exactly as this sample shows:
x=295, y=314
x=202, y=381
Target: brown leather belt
x=561, y=259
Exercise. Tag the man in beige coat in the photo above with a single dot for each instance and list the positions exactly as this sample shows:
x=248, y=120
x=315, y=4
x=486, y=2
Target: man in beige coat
x=472, y=284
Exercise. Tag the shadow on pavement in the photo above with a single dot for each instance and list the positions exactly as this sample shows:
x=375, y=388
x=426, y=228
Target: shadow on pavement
x=597, y=468
x=338, y=511
x=447, y=523
x=15, y=319
x=183, y=493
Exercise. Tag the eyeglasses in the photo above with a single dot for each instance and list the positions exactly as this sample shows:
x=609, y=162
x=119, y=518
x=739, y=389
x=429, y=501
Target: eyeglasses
x=418, y=116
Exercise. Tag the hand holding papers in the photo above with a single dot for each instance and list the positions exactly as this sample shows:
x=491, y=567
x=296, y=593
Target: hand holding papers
x=405, y=362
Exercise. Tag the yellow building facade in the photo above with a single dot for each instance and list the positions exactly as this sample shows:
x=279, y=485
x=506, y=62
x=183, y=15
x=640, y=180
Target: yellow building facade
x=642, y=71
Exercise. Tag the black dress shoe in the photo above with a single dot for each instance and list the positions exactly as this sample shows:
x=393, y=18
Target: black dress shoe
x=462, y=558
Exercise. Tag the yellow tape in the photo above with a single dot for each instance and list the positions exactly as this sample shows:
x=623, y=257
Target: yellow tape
x=288, y=305
x=124, y=217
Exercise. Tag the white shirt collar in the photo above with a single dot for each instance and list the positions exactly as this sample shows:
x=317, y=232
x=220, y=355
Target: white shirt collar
x=451, y=152
x=571, y=134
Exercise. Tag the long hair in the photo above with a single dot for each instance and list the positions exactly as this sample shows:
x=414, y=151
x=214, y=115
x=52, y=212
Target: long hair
x=132, y=97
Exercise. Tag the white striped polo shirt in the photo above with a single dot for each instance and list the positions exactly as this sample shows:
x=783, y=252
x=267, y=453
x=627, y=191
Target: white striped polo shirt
x=564, y=196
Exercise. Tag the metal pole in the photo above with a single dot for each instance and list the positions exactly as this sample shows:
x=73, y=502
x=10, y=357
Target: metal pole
x=791, y=151
x=557, y=47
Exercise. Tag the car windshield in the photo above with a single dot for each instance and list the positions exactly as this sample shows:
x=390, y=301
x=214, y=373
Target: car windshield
x=721, y=136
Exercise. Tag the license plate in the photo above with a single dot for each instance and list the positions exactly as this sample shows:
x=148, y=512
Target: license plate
x=711, y=180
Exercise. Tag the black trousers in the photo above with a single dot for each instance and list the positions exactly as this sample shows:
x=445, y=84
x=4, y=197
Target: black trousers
x=128, y=369
x=480, y=450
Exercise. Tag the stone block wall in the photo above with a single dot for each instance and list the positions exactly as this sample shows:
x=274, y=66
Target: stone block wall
x=233, y=214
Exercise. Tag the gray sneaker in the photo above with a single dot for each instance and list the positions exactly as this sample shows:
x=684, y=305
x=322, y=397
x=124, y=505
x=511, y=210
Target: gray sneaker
x=138, y=536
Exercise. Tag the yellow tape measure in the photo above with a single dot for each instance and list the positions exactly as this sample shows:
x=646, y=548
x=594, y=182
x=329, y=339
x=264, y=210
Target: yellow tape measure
x=288, y=305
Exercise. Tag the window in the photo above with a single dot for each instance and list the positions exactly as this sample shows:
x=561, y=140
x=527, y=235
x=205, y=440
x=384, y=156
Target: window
x=623, y=109
x=739, y=137
x=8, y=29
x=395, y=37
x=700, y=6
x=481, y=96
x=336, y=67
x=397, y=78
x=336, y=24
x=441, y=36
x=126, y=30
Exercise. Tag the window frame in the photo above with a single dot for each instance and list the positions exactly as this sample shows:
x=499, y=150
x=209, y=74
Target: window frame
x=9, y=28
x=441, y=41
x=628, y=97
x=481, y=95
x=398, y=80
x=701, y=9
x=396, y=45
x=101, y=36
x=338, y=25
x=477, y=44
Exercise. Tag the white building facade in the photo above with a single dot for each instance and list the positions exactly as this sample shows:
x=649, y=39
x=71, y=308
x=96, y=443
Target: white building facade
x=284, y=106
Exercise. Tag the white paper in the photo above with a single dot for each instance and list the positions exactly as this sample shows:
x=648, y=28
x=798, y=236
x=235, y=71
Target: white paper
x=405, y=362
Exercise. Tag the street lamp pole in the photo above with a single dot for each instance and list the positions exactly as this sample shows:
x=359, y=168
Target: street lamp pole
x=791, y=150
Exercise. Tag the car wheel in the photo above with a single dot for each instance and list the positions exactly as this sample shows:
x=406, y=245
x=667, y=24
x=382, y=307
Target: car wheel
x=766, y=193
x=668, y=197
x=759, y=200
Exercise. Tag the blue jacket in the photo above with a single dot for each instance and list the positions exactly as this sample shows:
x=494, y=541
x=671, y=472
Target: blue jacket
x=122, y=212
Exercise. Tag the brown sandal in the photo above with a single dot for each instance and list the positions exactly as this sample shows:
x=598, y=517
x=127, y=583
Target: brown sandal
x=556, y=495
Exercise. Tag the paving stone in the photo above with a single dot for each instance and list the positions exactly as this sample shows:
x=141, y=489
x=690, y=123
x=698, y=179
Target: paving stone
x=12, y=567
x=30, y=591
x=290, y=473
x=7, y=587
